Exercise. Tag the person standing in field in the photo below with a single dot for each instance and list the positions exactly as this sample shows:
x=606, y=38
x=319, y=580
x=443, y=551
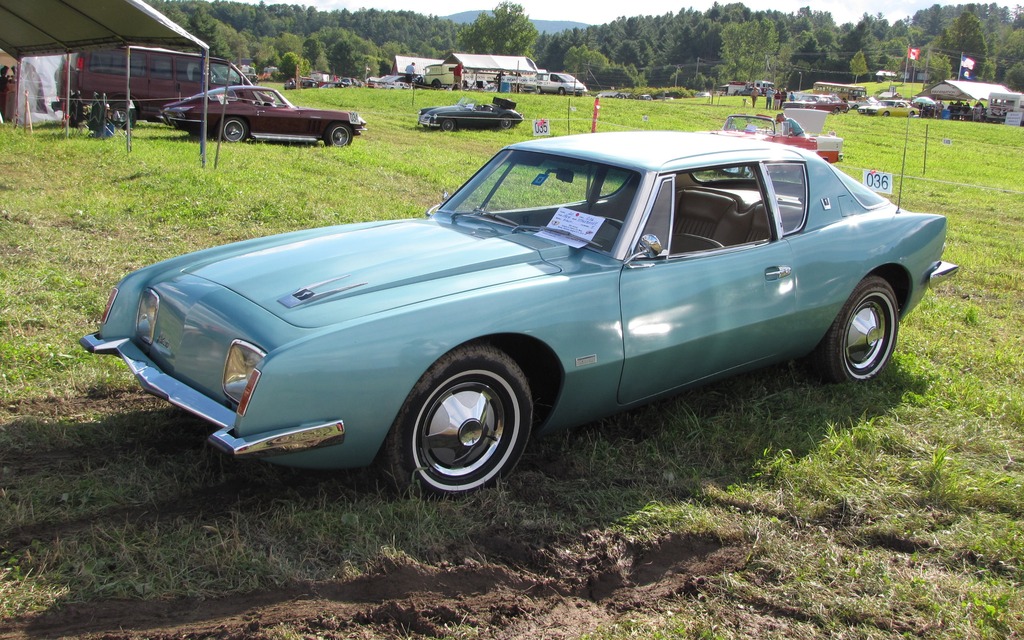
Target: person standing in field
x=754, y=93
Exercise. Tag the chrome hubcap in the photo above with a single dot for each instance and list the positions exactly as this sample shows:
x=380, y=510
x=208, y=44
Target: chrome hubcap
x=462, y=429
x=865, y=338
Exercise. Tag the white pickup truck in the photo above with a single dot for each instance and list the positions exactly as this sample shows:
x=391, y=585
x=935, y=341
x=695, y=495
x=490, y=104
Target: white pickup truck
x=560, y=83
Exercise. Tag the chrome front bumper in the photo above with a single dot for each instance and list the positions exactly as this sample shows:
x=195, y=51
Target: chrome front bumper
x=941, y=272
x=161, y=385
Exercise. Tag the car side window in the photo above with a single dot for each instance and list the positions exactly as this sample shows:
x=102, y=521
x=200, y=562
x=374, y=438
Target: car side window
x=717, y=208
x=265, y=98
x=160, y=67
x=188, y=71
x=659, y=221
x=789, y=182
x=219, y=73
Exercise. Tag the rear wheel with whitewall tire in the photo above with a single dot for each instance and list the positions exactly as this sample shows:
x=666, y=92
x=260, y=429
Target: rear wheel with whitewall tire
x=235, y=129
x=862, y=338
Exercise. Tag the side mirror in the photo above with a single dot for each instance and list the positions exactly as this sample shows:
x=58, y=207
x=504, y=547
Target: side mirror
x=650, y=246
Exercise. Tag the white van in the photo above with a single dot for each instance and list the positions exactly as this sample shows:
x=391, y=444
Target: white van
x=560, y=83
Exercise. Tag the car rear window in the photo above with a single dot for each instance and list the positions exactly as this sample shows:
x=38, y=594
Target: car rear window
x=866, y=197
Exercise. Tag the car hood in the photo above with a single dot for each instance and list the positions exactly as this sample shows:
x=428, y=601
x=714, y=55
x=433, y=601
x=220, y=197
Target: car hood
x=452, y=108
x=350, y=272
x=812, y=120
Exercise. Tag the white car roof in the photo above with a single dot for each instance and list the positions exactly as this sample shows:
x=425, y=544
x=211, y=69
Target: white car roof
x=661, y=150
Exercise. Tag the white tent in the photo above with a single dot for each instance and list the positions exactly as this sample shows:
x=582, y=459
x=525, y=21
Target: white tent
x=46, y=27
x=483, y=62
x=963, y=90
x=401, y=62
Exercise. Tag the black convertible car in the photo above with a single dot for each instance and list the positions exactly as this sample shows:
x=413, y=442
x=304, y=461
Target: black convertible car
x=500, y=114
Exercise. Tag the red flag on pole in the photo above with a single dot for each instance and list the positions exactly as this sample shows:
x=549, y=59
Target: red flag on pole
x=913, y=53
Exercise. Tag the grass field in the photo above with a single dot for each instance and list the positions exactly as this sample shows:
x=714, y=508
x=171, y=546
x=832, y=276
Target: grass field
x=769, y=505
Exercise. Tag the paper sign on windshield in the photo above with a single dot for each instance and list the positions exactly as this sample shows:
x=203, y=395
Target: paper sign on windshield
x=566, y=221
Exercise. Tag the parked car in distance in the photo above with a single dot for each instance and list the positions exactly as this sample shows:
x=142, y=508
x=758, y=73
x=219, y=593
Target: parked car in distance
x=158, y=77
x=560, y=83
x=262, y=113
x=831, y=104
x=829, y=147
x=569, y=279
x=388, y=82
x=863, y=102
x=467, y=113
x=900, y=108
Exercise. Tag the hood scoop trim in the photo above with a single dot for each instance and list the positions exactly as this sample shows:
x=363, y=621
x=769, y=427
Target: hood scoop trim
x=309, y=293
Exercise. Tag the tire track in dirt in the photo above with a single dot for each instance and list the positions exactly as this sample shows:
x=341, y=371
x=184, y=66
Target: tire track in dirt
x=515, y=587
x=413, y=600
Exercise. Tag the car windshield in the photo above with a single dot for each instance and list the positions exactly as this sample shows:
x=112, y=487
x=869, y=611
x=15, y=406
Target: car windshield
x=542, y=193
x=749, y=124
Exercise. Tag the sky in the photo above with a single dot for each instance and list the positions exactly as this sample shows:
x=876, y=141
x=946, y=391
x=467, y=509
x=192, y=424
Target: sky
x=591, y=12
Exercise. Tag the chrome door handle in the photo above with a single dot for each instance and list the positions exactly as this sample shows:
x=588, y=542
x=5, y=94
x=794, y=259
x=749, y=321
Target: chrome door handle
x=777, y=273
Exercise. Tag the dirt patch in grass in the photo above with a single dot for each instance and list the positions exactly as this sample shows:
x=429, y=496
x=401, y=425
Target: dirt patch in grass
x=408, y=599
x=512, y=585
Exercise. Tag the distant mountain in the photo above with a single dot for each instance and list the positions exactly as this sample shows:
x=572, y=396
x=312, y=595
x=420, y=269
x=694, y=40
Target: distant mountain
x=544, y=26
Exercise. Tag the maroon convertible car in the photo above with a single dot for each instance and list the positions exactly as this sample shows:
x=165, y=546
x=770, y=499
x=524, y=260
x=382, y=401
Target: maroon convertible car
x=263, y=114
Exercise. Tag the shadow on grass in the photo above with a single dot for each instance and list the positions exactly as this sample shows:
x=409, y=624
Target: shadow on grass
x=163, y=479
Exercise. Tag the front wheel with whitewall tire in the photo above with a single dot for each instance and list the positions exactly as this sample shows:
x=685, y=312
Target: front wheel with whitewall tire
x=464, y=425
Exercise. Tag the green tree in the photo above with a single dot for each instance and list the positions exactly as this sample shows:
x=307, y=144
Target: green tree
x=1015, y=77
x=351, y=55
x=508, y=32
x=858, y=66
x=583, y=57
x=286, y=42
x=939, y=68
x=204, y=26
x=313, y=50
x=292, y=65
x=746, y=49
x=964, y=36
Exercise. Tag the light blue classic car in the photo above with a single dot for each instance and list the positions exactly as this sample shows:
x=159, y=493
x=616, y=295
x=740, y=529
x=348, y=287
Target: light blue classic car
x=570, y=278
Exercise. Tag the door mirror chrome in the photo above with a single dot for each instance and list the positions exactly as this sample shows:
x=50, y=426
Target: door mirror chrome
x=649, y=246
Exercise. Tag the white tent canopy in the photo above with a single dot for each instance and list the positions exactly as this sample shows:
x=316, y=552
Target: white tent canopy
x=401, y=62
x=963, y=90
x=483, y=62
x=43, y=27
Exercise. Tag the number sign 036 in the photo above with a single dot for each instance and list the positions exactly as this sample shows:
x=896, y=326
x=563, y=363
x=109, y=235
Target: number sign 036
x=878, y=181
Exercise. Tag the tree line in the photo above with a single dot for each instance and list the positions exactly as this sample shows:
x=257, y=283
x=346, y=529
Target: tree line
x=688, y=48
